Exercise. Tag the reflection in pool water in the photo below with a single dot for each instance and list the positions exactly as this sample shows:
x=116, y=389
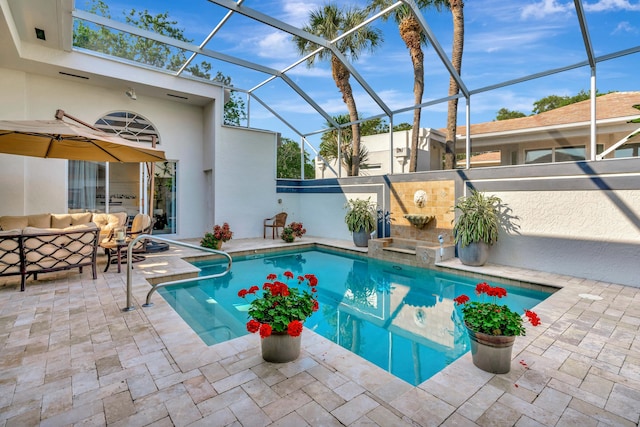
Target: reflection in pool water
x=400, y=318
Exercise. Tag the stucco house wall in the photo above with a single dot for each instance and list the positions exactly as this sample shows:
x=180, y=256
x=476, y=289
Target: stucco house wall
x=30, y=96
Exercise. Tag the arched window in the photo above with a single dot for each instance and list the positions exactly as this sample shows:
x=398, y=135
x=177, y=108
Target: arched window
x=126, y=187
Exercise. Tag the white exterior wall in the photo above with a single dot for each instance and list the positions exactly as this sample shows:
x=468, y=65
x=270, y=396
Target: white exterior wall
x=244, y=180
x=429, y=154
x=29, y=96
x=592, y=234
x=323, y=213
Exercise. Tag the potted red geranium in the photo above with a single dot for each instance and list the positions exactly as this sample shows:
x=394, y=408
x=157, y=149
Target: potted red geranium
x=214, y=239
x=492, y=328
x=278, y=314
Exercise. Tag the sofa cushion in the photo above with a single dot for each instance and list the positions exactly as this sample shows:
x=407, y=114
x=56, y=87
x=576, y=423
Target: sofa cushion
x=108, y=222
x=22, y=221
x=39, y=220
x=67, y=220
x=13, y=222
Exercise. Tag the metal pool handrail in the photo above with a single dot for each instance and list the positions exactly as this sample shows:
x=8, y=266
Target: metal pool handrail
x=129, y=306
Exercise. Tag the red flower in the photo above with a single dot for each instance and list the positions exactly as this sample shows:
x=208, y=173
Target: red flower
x=265, y=330
x=242, y=293
x=533, y=317
x=496, y=292
x=482, y=288
x=461, y=299
x=295, y=328
x=313, y=280
x=253, y=326
x=278, y=305
x=491, y=318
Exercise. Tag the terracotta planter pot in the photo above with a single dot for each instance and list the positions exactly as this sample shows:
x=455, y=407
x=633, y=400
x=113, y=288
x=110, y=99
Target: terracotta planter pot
x=280, y=347
x=491, y=353
x=219, y=244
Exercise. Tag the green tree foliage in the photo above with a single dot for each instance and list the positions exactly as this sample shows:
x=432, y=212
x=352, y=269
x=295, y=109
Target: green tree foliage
x=331, y=21
x=402, y=126
x=555, y=101
x=329, y=139
x=288, y=163
x=150, y=52
x=506, y=114
x=547, y=103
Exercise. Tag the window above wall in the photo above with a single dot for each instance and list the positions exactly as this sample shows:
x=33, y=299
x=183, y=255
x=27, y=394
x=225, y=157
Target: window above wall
x=555, y=155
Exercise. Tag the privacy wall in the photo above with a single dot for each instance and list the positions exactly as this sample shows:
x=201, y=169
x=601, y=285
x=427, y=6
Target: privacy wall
x=576, y=218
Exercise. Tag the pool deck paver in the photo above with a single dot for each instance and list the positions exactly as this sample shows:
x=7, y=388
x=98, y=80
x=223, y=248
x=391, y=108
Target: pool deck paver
x=70, y=356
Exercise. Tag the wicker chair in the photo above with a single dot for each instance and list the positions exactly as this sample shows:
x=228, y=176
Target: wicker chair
x=274, y=223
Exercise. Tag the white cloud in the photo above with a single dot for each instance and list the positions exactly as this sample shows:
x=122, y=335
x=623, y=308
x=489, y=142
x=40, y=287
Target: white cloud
x=544, y=8
x=611, y=5
x=276, y=44
x=297, y=12
x=625, y=27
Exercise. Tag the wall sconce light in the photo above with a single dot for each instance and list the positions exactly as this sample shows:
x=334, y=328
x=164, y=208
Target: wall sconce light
x=131, y=93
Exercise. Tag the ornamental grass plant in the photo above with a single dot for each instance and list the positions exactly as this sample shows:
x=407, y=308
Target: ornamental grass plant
x=280, y=308
x=491, y=318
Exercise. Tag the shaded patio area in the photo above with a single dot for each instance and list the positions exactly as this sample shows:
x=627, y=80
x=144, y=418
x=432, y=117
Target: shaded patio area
x=70, y=356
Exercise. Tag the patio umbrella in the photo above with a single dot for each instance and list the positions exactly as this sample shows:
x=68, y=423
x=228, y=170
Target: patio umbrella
x=63, y=140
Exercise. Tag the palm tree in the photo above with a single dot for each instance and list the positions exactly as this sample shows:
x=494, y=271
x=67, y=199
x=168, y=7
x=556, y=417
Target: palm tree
x=329, y=145
x=456, y=7
x=413, y=37
x=330, y=22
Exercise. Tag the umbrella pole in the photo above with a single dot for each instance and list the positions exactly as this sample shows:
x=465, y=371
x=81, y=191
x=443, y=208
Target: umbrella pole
x=60, y=114
x=152, y=183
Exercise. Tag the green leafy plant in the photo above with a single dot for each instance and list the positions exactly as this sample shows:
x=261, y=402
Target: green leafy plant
x=281, y=308
x=478, y=220
x=288, y=234
x=361, y=215
x=491, y=318
x=220, y=234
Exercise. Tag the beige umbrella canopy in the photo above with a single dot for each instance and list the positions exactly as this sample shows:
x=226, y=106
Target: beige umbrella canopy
x=63, y=140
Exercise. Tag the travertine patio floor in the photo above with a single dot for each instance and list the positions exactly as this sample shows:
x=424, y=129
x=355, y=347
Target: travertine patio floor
x=69, y=355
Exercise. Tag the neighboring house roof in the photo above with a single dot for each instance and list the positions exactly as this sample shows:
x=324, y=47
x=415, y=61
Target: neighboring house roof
x=616, y=105
x=490, y=158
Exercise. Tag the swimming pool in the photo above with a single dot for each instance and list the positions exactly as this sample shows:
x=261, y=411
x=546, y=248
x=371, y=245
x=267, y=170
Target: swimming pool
x=400, y=318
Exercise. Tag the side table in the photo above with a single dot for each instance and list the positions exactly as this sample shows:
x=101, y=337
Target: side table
x=111, y=246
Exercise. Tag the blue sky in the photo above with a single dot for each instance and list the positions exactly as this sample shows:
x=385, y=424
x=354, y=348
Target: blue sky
x=504, y=40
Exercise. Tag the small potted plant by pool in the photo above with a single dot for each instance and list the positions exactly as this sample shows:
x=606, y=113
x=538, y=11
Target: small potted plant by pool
x=293, y=230
x=279, y=314
x=492, y=328
x=219, y=234
x=476, y=227
x=361, y=220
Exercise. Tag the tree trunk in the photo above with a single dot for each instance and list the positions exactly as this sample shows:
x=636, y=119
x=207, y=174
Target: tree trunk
x=410, y=31
x=341, y=76
x=456, y=60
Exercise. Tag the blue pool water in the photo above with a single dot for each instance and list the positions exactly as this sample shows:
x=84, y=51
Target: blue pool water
x=400, y=318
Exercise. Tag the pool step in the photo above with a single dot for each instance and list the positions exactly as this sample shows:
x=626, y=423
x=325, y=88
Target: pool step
x=419, y=253
x=399, y=250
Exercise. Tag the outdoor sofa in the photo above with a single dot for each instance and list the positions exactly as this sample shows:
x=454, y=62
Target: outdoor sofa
x=42, y=243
